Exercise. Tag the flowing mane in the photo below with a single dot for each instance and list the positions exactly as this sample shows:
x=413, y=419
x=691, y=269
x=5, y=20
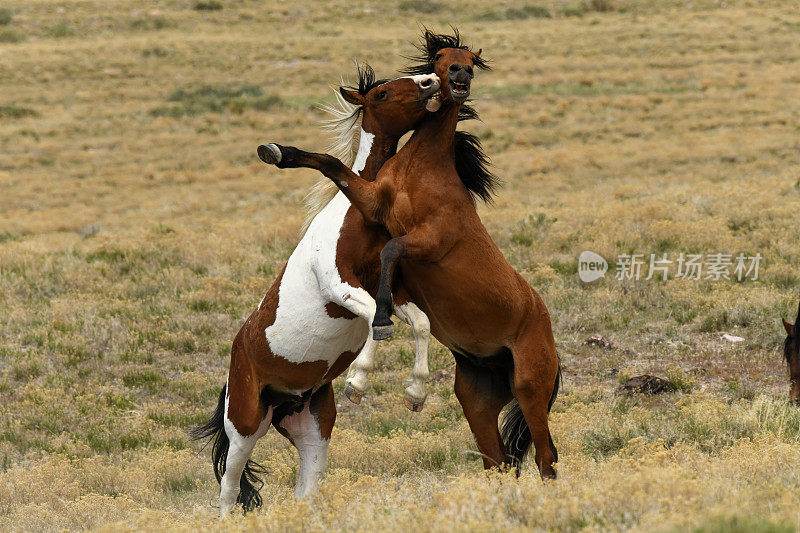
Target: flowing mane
x=344, y=128
x=431, y=44
x=472, y=163
x=473, y=167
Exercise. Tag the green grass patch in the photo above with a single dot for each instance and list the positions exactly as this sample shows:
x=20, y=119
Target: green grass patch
x=146, y=379
x=5, y=16
x=7, y=236
x=420, y=6
x=216, y=99
x=60, y=30
x=11, y=36
x=741, y=524
x=15, y=111
x=522, y=12
x=531, y=228
x=152, y=23
x=207, y=5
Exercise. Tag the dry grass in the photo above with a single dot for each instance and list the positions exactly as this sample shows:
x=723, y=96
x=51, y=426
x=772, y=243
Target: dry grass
x=138, y=229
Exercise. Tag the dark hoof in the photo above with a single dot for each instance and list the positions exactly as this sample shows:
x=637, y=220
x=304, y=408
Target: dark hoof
x=270, y=154
x=549, y=473
x=352, y=394
x=380, y=333
x=414, y=405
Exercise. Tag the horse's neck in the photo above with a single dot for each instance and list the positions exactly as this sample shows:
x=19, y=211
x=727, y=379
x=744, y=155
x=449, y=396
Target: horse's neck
x=433, y=139
x=374, y=149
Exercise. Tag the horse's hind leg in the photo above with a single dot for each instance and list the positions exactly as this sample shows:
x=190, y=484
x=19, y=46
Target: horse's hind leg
x=310, y=432
x=358, y=301
x=245, y=422
x=482, y=393
x=411, y=314
x=535, y=375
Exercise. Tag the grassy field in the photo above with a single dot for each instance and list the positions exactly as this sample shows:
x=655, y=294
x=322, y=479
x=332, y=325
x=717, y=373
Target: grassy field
x=138, y=230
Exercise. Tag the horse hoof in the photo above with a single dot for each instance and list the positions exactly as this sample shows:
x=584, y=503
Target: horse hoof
x=380, y=333
x=270, y=154
x=414, y=405
x=352, y=394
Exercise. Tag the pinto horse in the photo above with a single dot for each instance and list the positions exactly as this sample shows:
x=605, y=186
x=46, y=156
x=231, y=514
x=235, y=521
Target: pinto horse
x=495, y=324
x=791, y=352
x=315, y=317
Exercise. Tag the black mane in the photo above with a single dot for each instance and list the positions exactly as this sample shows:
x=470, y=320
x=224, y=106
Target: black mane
x=472, y=163
x=472, y=166
x=366, y=80
x=431, y=44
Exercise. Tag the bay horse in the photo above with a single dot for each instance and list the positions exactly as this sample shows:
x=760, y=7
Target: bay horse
x=316, y=316
x=791, y=352
x=497, y=327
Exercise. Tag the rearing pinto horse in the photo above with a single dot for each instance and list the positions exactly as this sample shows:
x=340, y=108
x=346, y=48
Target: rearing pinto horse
x=315, y=317
x=495, y=324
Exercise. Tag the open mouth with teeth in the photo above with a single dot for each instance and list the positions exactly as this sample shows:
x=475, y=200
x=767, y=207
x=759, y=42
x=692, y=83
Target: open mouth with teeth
x=459, y=91
x=433, y=103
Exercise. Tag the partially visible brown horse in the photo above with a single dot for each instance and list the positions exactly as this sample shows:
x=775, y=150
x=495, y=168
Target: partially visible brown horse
x=495, y=324
x=791, y=352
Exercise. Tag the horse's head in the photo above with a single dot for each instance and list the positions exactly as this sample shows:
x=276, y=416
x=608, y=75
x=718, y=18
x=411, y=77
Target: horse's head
x=392, y=107
x=450, y=59
x=791, y=351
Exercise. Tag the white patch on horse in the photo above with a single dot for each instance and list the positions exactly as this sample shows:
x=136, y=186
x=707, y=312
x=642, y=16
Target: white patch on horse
x=303, y=331
x=303, y=429
x=364, y=147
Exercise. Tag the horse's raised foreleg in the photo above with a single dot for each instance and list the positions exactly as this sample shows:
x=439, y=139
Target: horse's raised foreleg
x=310, y=432
x=422, y=243
x=411, y=314
x=361, y=193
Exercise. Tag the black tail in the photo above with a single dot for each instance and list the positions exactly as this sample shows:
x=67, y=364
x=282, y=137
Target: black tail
x=250, y=483
x=516, y=434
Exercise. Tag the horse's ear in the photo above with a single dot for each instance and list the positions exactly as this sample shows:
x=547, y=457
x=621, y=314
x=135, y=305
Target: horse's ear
x=354, y=97
x=788, y=327
x=478, y=53
x=430, y=41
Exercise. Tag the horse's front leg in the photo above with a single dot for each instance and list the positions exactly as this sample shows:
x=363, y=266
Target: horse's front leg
x=361, y=193
x=423, y=243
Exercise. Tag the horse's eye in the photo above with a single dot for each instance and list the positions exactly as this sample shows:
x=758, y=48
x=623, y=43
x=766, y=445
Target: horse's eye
x=382, y=95
x=438, y=56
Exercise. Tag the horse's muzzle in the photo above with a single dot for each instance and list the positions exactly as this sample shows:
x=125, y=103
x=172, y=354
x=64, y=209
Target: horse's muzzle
x=428, y=86
x=460, y=82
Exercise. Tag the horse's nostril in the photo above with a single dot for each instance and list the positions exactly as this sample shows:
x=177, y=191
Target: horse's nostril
x=425, y=83
x=453, y=68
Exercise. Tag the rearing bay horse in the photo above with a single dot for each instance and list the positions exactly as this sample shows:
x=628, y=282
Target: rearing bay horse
x=315, y=317
x=496, y=325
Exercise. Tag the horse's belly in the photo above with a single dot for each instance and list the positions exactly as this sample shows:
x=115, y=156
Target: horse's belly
x=468, y=310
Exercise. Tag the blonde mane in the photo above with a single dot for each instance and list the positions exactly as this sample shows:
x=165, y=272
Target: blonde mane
x=344, y=128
